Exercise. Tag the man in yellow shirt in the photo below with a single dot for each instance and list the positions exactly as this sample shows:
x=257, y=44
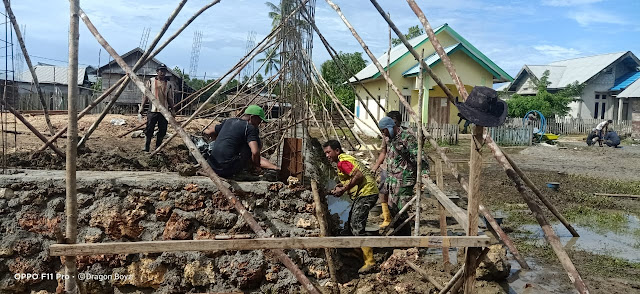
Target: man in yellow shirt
x=359, y=183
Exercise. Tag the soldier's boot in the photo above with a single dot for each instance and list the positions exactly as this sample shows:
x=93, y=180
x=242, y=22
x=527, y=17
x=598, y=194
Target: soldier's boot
x=386, y=215
x=369, y=261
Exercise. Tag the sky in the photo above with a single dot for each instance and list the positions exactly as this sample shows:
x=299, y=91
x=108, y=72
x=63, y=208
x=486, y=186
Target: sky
x=511, y=33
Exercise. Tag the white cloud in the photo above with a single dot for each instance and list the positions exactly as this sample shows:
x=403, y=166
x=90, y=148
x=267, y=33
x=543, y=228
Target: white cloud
x=588, y=17
x=568, y=2
x=557, y=52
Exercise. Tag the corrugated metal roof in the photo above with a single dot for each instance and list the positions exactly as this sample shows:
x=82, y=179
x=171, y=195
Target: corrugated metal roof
x=430, y=60
x=625, y=80
x=582, y=69
x=396, y=52
x=632, y=91
x=48, y=74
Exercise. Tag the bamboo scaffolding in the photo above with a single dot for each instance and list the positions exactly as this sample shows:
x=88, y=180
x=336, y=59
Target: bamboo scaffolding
x=121, y=80
x=27, y=58
x=257, y=49
x=338, y=105
x=425, y=275
x=71, y=201
x=443, y=214
x=456, y=278
x=140, y=63
x=550, y=234
x=454, y=171
x=201, y=160
x=346, y=73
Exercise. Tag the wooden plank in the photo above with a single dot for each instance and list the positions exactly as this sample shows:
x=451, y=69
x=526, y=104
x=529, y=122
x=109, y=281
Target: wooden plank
x=459, y=214
x=264, y=243
x=474, y=199
x=617, y=195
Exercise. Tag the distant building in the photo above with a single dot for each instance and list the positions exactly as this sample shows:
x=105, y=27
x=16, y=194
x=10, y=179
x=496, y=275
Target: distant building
x=54, y=83
x=132, y=96
x=608, y=77
x=473, y=67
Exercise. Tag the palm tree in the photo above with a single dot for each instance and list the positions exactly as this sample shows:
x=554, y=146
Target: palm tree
x=272, y=58
x=274, y=14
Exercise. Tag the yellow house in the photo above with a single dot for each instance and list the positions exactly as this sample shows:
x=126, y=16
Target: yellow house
x=473, y=67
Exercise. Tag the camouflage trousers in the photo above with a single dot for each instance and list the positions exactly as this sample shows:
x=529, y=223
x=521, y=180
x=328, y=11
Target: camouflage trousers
x=399, y=201
x=359, y=213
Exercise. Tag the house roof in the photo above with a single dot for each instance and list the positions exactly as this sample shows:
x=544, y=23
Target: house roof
x=434, y=59
x=50, y=74
x=399, y=51
x=125, y=55
x=624, y=81
x=565, y=72
x=632, y=91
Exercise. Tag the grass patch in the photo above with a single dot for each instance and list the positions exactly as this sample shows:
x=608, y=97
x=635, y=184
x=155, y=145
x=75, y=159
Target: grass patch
x=596, y=218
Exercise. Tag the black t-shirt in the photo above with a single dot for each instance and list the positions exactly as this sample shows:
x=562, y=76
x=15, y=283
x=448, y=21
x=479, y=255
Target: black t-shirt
x=233, y=139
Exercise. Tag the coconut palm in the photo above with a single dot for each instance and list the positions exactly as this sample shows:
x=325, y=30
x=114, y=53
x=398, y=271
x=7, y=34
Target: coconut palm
x=272, y=58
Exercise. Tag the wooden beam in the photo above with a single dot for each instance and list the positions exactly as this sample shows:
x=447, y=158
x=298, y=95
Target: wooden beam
x=264, y=243
x=617, y=195
x=459, y=214
x=473, y=204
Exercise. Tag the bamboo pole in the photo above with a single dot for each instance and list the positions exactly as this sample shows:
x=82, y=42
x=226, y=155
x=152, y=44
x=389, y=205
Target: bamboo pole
x=456, y=278
x=474, y=198
x=416, y=229
x=424, y=274
x=27, y=58
x=140, y=63
x=542, y=198
x=71, y=203
x=615, y=195
x=200, y=159
x=35, y=131
x=454, y=170
x=321, y=215
x=443, y=214
x=122, y=80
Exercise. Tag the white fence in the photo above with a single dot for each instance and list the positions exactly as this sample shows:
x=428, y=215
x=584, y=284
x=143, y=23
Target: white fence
x=506, y=135
x=443, y=133
x=572, y=126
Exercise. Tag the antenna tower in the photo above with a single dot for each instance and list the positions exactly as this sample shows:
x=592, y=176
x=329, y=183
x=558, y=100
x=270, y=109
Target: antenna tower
x=251, y=42
x=195, y=53
x=144, y=39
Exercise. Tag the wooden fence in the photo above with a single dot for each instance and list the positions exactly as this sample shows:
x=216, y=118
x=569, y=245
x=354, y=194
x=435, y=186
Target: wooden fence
x=443, y=133
x=506, y=135
x=573, y=126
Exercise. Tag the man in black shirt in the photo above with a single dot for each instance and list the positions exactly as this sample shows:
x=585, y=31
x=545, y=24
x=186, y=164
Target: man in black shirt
x=237, y=144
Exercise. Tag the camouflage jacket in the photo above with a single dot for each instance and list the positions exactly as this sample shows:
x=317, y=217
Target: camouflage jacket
x=402, y=160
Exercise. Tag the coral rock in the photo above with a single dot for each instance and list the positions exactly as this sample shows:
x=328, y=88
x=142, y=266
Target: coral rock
x=177, y=228
x=144, y=273
x=397, y=263
x=495, y=266
x=34, y=222
x=198, y=274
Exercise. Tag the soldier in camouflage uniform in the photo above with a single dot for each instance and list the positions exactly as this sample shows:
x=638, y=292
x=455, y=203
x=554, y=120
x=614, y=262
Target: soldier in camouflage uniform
x=401, y=158
x=359, y=183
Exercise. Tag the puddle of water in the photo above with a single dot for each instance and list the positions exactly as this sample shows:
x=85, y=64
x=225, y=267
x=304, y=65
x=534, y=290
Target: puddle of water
x=542, y=279
x=622, y=243
x=339, y=205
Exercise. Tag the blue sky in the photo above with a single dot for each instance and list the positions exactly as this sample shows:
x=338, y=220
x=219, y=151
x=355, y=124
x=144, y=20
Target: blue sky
x=511, y=33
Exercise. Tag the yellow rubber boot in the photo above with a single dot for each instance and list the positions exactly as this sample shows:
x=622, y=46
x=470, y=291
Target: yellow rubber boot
x=386, y=215
x=369, y=262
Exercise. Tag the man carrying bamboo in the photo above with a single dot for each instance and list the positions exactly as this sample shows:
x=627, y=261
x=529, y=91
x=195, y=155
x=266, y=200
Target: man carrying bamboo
x=161, y=89
x=401, y=158
x=359, y=183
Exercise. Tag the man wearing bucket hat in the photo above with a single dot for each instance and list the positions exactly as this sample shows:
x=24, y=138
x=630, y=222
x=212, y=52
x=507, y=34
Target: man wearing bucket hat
x=162, y=89
x=401, y=158
x=237, y=144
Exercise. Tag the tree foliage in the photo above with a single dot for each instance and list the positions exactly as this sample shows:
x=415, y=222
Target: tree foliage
x=549, y=104
x=272, y=60
x=414, y=31
x=333, y=75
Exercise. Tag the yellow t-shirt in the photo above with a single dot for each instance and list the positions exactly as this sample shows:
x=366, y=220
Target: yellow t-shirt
x=346, y=165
